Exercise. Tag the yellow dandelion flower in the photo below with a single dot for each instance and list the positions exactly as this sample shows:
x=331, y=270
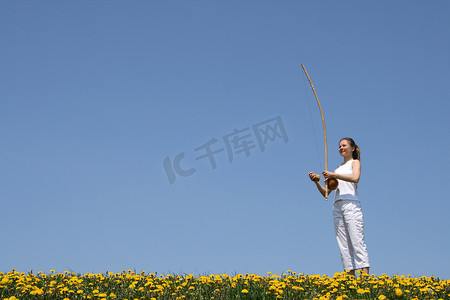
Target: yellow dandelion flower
x=398, y=292
x=381, y=297
x=37, y=292
x=244, y=291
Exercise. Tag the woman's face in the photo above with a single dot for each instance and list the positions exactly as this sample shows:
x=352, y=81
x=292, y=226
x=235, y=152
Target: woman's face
x=344, y=148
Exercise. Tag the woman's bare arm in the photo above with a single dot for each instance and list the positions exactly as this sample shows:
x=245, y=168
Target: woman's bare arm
x=356, y=165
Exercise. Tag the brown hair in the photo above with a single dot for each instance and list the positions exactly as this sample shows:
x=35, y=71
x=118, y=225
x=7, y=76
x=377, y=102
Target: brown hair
x=356, y=154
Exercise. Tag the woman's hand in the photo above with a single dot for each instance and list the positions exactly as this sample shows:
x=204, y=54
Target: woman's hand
x=314, y=177
x=328, y=175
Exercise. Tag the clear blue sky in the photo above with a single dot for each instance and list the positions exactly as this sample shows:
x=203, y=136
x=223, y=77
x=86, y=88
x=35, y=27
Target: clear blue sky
x=96, y=95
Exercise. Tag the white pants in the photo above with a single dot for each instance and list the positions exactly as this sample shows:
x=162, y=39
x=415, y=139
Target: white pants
x=349, y=228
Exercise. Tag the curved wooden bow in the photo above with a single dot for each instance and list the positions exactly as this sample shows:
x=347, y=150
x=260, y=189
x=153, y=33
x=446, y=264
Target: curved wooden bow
x=324, y=130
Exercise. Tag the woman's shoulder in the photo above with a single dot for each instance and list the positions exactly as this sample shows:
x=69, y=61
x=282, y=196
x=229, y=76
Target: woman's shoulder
x=356, y=163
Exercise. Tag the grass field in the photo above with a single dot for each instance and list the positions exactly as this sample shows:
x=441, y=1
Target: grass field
x=290, y=285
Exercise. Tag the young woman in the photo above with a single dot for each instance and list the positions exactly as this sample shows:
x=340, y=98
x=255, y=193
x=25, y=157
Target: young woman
x=347, y=213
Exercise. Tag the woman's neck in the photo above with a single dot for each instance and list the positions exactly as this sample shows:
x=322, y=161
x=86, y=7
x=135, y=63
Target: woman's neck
x=346, y=159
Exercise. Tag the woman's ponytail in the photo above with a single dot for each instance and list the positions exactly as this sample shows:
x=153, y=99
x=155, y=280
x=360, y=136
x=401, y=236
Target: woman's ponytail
x=356, y=153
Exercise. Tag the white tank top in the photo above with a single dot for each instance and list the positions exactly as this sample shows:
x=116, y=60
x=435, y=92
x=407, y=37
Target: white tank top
x=346, y=190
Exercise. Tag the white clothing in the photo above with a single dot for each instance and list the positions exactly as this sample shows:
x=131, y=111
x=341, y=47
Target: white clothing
x=349, y=222
x=349, y=228
x=346, y=190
